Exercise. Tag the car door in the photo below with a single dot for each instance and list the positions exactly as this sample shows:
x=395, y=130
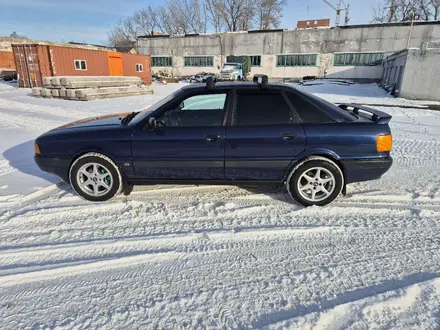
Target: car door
x=264, y=136
x=188, y=142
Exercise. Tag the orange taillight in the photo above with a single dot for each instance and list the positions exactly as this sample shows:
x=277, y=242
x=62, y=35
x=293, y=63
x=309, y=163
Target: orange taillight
x=384, y=143
x=37, y=149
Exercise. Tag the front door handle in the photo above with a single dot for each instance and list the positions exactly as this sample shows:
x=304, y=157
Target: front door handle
x=212, y=137
x=289, y=136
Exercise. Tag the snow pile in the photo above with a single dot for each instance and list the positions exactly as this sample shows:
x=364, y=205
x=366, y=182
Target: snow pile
x=214, y=256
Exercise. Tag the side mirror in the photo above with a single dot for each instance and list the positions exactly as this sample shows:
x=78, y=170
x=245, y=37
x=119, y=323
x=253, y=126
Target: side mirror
x=152, y=125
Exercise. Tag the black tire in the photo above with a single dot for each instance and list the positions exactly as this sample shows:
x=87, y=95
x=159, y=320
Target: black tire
x=308, y=167
x=107, y=166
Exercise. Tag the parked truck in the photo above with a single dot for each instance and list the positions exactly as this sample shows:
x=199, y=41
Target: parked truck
x=231, y=71
x=235, y=68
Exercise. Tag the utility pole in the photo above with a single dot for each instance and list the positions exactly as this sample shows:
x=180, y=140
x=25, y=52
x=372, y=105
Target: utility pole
x=410, y=29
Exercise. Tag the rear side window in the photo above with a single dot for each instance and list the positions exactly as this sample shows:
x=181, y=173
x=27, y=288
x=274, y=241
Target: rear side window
x=307, y=111
x=262, y=108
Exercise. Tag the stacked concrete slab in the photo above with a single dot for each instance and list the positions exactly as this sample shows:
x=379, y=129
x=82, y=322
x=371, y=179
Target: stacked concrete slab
x=91, y=88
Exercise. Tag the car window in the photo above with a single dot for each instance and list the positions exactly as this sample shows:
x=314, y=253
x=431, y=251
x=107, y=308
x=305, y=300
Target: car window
x=262, y=108
x=307, y=112
x=204, y=102
x=195, y=111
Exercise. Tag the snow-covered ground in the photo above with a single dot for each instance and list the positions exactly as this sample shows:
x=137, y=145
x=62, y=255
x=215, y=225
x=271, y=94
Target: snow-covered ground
x=213, y=256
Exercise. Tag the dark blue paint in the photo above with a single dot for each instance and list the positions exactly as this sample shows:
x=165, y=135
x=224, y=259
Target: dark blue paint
x=261, y=152
x=179, y=153
x=240, y=153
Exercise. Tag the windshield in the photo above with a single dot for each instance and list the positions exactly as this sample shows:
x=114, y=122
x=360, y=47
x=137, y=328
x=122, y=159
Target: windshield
x=229, y=66
x=145, y=112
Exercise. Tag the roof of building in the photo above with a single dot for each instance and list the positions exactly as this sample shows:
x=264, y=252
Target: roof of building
x=357, y=26
x=6, y=44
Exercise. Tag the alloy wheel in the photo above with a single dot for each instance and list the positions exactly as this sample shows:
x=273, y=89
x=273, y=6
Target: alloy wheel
x=94, y=179
x=316, y=184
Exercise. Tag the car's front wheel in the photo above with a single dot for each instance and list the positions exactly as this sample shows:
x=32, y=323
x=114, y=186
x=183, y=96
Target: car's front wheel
x=317, y=181
x=95, y=177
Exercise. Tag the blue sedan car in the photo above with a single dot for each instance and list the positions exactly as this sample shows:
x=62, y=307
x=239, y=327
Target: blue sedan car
x=225, y=133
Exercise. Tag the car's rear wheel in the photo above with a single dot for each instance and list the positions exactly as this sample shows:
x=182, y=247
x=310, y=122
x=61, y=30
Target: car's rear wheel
x=317, y=181
x=95, y=177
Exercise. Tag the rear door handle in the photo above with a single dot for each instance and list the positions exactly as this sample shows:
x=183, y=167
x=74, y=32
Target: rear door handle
x=212, y=137
x=289, y=136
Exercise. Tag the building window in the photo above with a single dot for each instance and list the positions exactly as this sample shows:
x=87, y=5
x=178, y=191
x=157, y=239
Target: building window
x=256, y=60
x=297, y=60
x=139, y=68
x=199, y=61
x=161, y=61
x=358, y=59
x=80, y=65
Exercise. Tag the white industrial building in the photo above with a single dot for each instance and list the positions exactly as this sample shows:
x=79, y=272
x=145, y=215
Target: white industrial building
x=354, y=52
x=414, y=73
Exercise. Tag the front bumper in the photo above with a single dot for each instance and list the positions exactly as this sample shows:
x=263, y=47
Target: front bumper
x=366, y=169
x=57, y=166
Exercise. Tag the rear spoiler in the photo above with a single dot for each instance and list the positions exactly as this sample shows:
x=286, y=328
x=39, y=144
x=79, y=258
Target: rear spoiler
x=377, y=116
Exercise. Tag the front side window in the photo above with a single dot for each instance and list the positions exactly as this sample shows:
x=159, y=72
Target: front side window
x=139, y=68
x=262, y=108
x=195, y=111
x=80, y=65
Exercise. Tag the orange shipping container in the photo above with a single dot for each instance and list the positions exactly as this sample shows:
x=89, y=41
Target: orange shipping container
x=31, y=64
x=7, y=60
x=69, y=61
x=131, y=65
x=37, y=61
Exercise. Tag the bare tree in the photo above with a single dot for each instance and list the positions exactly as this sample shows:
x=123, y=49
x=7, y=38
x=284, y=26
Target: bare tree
x=194, y=16
x=187, y=16
x=436, y=9
x=425, y=9
x=15, y=35
x=146, y=21
x=212, y=8
x=123, y=35
x=269, y=13
x=236, y=14
x=405, y=10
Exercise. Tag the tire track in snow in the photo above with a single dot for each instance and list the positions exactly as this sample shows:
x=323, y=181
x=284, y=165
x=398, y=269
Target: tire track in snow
x=257, y=271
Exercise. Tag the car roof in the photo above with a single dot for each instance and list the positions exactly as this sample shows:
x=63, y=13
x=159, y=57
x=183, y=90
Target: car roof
x=330, y=109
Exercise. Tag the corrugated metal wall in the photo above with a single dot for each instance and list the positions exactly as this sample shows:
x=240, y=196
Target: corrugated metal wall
x=64, y=59
x=7, y=60
x=129, y=62
x=27, y=62
x=34, y=62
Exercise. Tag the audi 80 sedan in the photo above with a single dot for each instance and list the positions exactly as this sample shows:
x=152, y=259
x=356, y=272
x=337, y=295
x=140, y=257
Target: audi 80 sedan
x=227, y=133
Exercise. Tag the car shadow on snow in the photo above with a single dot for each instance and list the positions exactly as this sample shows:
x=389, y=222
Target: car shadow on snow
x=21, y=158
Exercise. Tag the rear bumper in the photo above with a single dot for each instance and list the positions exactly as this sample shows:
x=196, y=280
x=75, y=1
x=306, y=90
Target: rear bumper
x=366, y=169
x=57, y=166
